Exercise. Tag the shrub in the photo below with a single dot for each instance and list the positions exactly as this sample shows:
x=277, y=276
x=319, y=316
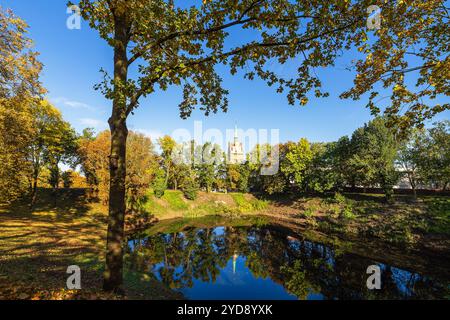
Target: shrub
x=190, y=193
x=335, y=211
x=159, y=184
x=190, y=189
x=308, y=213
x=339, y=198
x=67, y=178
x=246, y=205
x=347, y=213
x=260, y=204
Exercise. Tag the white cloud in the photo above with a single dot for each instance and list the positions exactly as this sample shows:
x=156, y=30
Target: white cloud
x=93, y=123
x=70, y=103
x=152, y=134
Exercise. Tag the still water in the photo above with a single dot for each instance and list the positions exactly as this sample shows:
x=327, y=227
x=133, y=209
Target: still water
x=270, y=262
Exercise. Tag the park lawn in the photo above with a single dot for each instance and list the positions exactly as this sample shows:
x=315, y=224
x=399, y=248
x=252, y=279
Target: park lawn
x=37, y=246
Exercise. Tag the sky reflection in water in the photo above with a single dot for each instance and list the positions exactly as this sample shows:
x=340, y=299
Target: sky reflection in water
x=268, y=262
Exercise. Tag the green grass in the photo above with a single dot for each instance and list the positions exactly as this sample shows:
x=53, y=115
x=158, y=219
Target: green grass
x=439, y=210
x=405, y=221
x=175, y=200
x=308, y=213
x=152, y=207
x=211, y=208
x=37, y=246
x=245, y=205
x=173, y=205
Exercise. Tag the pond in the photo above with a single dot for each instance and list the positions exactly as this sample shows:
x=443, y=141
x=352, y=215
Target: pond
x=247, y=261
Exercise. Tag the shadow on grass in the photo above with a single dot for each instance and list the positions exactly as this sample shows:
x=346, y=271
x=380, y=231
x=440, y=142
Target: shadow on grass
x=60, y=201
x=291, y=198
x=38, y=245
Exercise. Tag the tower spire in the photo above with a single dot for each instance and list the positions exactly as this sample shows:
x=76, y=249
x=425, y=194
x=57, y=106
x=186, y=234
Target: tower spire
x=235, y=256
x=235, y=149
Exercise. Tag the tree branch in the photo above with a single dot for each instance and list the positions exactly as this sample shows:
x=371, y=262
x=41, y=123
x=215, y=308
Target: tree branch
x=145, y=87
x=199, y=32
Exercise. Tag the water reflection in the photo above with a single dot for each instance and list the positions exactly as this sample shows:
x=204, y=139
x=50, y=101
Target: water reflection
x=269, y=263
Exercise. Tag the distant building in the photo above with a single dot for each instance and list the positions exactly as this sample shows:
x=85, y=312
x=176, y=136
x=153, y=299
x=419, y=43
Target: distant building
x=236, y=150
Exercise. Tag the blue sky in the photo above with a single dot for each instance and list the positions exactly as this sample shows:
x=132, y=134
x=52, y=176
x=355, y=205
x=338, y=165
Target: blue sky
x=73, y=58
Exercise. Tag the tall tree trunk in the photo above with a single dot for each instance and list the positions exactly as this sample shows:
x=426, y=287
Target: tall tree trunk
x=34, y=186
x=113, y=277
x=167, y=175
x=412, y=182
x=57, y=177
x=54, y=170
x=414, y=188
x=388, y=190
x=34, y=193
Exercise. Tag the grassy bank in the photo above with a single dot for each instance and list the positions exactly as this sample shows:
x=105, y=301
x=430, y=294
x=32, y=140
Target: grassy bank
x=425, y=222
x=174, y=205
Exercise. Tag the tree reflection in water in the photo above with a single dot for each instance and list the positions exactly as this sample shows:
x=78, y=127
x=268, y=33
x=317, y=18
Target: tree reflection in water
x=196, y=260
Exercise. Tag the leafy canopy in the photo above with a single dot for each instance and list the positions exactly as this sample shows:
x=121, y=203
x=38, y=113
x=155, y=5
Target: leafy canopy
x=183, y=45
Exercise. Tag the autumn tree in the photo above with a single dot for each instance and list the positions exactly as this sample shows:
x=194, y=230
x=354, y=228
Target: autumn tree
x=62, y=147
x=19, y=67
x=67, y=178
x=174, y=45
x=142, y=165
x=406, y=60
x=78, y=179
x=168, y=146
x=94, y=152
x=20, y=89
x=53, y=140
x=233, y=175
